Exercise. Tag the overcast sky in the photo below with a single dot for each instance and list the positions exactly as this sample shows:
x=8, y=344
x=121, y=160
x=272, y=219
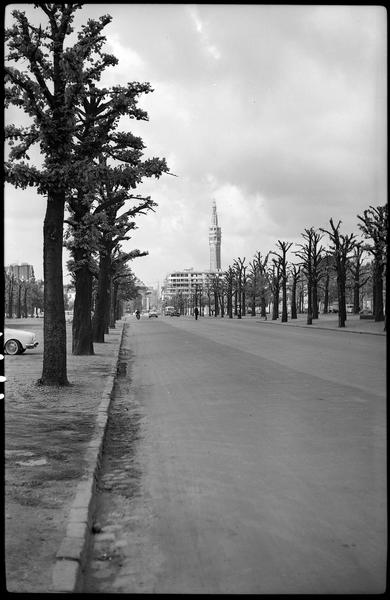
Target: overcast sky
x=278, y=113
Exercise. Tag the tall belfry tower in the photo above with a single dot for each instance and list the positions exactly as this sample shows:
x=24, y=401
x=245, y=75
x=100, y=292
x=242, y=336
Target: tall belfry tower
x=215, y=241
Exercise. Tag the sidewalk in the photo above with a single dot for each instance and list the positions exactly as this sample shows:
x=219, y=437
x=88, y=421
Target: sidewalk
x=53, y=439
x=353, y=323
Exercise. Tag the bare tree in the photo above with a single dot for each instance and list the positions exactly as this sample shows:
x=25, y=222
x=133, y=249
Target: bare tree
x=274, y=278
x=359, y=275
x=229, y=281
x=284, y=248
x=253, y=281
x=341, y=249
x=295, y=273
x=263, y=280
x=240, y=268
x=317, y=271
x=306, y=255
x=326, y=266
x=374, y=227
x=218, y=291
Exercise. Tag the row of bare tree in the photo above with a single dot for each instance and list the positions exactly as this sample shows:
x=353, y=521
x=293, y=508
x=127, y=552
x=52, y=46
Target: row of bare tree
x=344, y=257
x=347, y=264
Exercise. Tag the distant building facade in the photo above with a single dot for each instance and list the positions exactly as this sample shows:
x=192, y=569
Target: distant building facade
x=185, y=289
x=184, y=282
x=215, y=240
x=23, y=271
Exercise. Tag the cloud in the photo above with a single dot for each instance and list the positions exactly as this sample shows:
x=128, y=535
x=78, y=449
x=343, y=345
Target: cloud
x=129, y=62
x=279, y=113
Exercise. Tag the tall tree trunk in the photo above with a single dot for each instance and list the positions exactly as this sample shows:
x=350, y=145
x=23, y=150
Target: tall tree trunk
x=300, y=299
x=284, y=300
x=102, y=298
x=309, y=319
x=222, y=304
x=113, y=302
x=356, y=295
x=326, y=293
x=118, y=307
x=341, y=298
x=315, y=300
x=54, y=329
x=25, y=309
x=19, y=303
x=263, y=304
x=294, y=300
x=107, y=320
x=82, y=334
x=275, y=304
x=378, y=294
x=230, y=302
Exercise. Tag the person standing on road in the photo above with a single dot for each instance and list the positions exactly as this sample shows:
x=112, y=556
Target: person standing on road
x=196, y=311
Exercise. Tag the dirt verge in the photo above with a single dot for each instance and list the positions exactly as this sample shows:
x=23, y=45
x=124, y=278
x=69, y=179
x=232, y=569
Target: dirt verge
x=46, y=433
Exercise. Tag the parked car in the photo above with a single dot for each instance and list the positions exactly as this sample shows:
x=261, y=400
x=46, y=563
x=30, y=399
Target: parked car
x=153, y=314
x=366, y=314
x=16, y=341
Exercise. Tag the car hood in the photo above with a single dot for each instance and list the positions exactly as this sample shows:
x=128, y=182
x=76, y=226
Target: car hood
x=9, y=332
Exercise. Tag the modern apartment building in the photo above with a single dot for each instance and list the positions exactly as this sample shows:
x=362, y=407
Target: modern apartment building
x=187, y=288
x=185, y=282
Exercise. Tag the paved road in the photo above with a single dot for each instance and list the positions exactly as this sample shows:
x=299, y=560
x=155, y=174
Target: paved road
x=256, y=462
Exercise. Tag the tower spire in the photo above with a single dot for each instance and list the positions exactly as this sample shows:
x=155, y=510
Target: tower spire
x=215, y=240
x=214, y=216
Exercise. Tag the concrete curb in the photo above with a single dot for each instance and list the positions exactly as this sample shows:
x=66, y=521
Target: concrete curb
x=342, y=329
x=67, y=575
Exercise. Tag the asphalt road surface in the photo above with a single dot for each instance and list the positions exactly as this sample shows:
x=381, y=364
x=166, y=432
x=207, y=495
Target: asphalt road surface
x=261, y=460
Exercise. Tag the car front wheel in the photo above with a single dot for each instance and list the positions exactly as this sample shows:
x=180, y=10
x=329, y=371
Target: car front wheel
x=12, y=347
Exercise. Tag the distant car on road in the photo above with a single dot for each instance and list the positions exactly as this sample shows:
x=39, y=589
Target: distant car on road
x=153, y=314
x=366, y=313
x=16, y=341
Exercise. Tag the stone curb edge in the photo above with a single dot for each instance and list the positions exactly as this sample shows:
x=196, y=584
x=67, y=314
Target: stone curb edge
x=67, y=574
x=342, y=329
